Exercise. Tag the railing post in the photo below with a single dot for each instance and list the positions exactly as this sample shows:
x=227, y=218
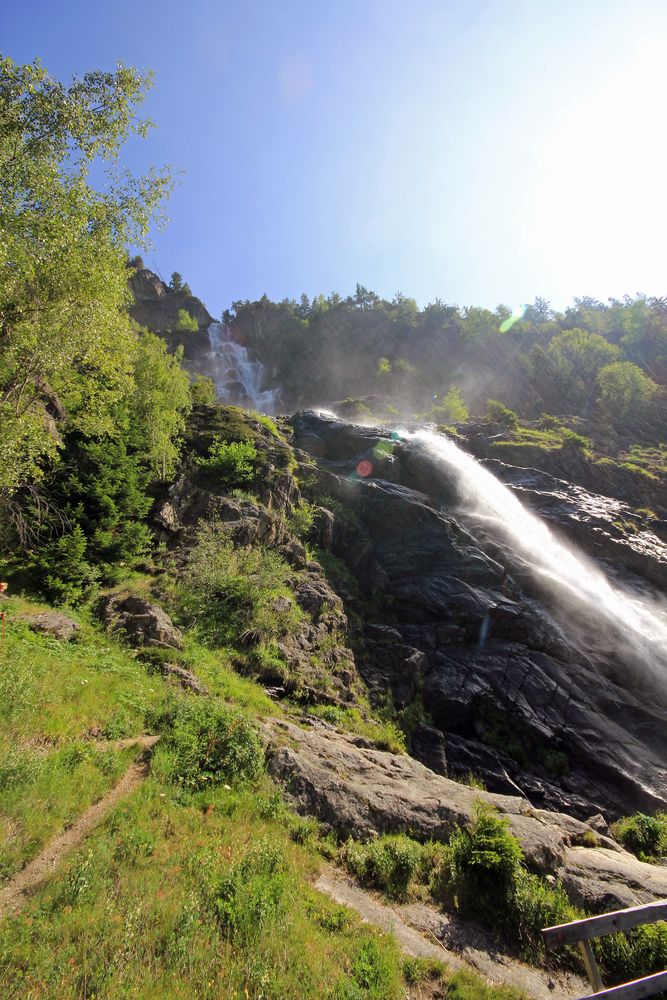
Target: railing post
x=592, y=970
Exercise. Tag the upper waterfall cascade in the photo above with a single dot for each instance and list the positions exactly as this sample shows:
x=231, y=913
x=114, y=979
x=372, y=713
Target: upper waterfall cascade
x=237, y=378
x=577, y=584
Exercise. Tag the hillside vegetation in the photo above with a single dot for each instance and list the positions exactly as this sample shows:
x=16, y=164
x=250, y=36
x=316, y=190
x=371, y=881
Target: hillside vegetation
x=172, y=572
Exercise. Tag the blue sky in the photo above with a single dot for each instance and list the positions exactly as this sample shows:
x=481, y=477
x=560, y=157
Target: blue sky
x=480, y=151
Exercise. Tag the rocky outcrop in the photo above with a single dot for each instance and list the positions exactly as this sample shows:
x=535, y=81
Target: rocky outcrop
x=139, y=622
x=52, y=623
x=360, y=791
x=156, y=306
x=522, y=694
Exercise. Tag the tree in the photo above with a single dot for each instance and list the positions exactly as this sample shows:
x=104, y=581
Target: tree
x=625, y=393
x=176, y=282
x=185, y=323
x=64, y=328
x=452, y=406
x=578, y=355
x=159, y=405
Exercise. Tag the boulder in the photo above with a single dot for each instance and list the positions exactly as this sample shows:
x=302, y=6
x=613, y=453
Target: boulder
x=359, y=791
x=52, y=623
x=139, y=622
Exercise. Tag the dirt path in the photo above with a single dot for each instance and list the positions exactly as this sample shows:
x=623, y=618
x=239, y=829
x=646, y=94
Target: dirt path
x=424, y=932
x=16, y=893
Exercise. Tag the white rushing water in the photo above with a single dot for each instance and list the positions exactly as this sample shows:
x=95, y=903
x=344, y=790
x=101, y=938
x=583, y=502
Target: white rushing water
x=576, y=582
x=238, y=379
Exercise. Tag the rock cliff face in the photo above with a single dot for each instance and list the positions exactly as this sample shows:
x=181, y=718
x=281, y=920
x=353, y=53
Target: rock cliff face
x=514, y=687
x=156, y=307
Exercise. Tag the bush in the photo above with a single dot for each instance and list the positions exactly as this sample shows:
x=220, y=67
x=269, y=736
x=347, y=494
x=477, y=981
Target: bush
x=206, y=743
x=185, y=323
x=250, y=896
x=451, y=407
x=486, y=879
x=238, y=594
x=573, y=440
x=202, y=389
x=390, y=863
x=645, y=836
x=501, y=414
x=233, y=461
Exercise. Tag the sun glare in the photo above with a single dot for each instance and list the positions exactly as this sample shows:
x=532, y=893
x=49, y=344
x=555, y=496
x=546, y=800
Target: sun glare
x=599, y=201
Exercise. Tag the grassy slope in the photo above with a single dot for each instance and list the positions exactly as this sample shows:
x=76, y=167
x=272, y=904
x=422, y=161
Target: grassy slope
x=178, y=893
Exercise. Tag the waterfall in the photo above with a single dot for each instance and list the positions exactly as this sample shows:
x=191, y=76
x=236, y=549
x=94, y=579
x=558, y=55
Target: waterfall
x=627, y=619
x=237, y=378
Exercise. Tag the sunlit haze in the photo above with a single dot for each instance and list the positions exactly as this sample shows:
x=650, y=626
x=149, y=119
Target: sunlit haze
x=476, y=151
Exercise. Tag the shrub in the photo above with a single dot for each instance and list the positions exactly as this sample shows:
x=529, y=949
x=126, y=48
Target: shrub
x=486, y=879
x=202, y=389
x=573, y=440
x=250, y=896
x=390, y=863
x=640, y=952
x=238, y=594
x=205, y=743
x=300, y=518
x=233, y=461
x=451, y=407
x=501, y=414
x=185, y=323
x=483, y=865
x=645, y=836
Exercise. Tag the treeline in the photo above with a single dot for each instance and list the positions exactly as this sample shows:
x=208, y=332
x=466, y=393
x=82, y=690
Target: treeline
x=595, y=360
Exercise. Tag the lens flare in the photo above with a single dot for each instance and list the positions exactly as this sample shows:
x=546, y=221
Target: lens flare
x=364, y=468
x=508, y=323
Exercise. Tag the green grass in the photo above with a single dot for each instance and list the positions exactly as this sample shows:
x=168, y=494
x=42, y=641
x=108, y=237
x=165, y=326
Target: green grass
x=383, y=733
x=199, y=883
x=53, y=694
x=196, y=894
x=52, y=691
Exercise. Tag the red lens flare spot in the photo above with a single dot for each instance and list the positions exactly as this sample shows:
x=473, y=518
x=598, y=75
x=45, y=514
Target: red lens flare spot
x=365, y=468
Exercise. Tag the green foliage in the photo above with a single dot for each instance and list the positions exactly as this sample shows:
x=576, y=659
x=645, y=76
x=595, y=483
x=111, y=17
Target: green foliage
x=101, y=491
x=185, y=323
x=352, y=408
x=486, y=879
x=237, y=594
x=451, y=407
x=63, y=289
x=204, y=742
x=300, y=518
x=250, y=897
x=391, y=863
x=571, y=439
x=158, y=408
x=625, y=393
x=176, y=282
x=61, y=570
x=645, y=836
x=202, y=389
x=232, y=461
x=501, y=414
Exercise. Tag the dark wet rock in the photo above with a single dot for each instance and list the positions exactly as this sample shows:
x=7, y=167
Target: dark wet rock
x=584, y=723
x=322, y=529
x=390, y=666
x=427, y=745
x=139, y=622
x=52, y=623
